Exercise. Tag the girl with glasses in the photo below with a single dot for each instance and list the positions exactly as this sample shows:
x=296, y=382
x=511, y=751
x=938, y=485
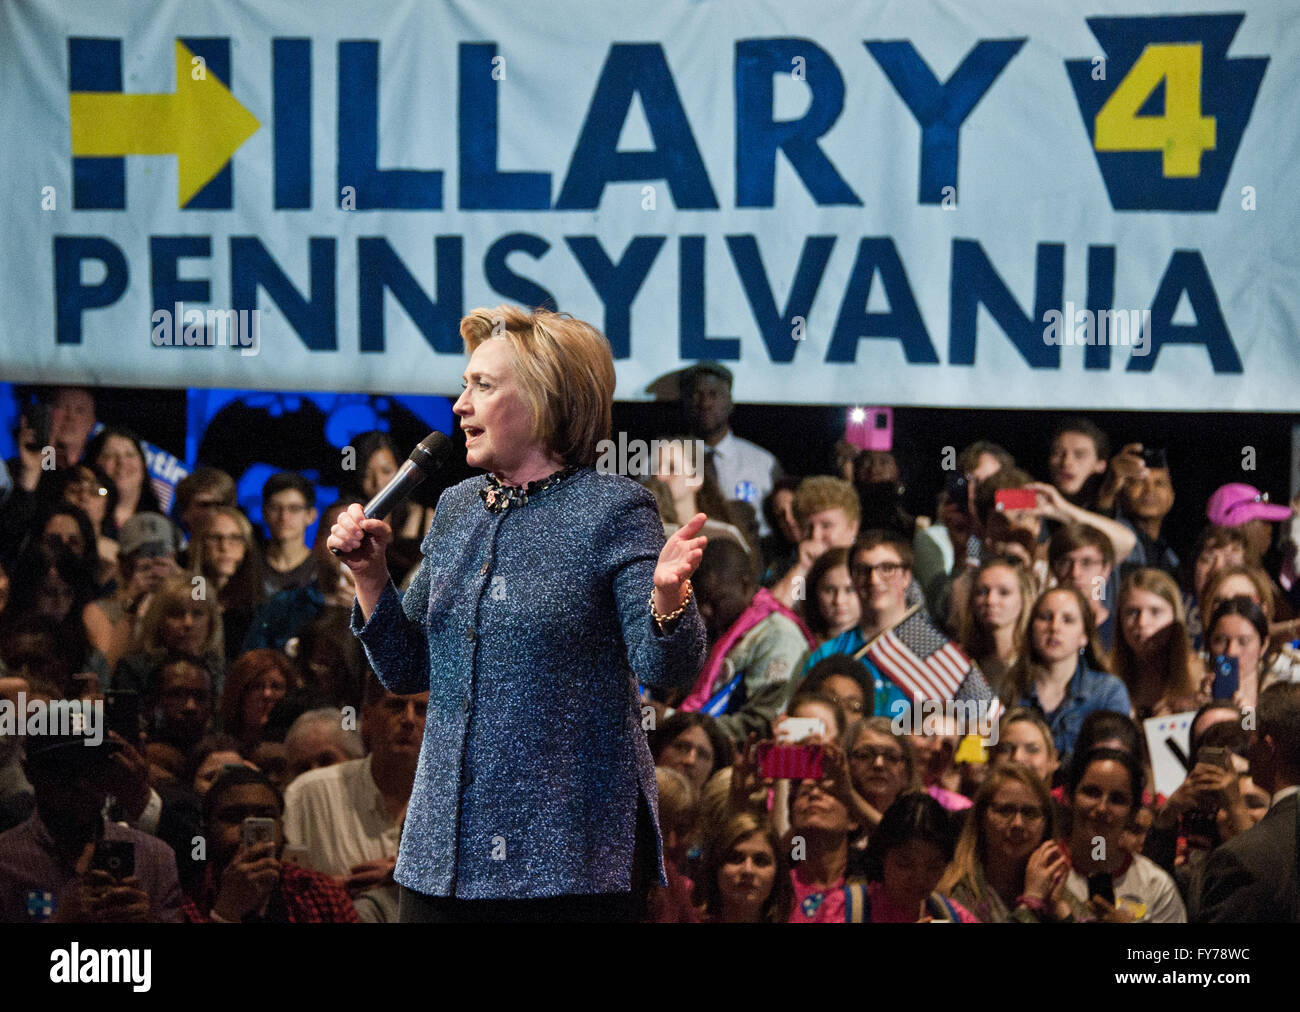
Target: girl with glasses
x=1008, y=866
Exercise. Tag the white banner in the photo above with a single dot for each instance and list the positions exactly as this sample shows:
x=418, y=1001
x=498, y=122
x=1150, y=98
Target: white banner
x=935, y=203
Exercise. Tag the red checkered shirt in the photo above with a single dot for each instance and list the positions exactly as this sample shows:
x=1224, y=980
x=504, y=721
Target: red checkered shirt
x=305, y=897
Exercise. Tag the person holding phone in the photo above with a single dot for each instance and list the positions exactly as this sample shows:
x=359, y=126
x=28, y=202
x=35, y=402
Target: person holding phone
x=67, y=862
x=821, y=815
x=1106, y=882
x=245, y=880
x=1239, y=630
x=546, y=592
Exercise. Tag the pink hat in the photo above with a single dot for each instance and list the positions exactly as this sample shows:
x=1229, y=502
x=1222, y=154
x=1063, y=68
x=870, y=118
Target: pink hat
x=1236, y=504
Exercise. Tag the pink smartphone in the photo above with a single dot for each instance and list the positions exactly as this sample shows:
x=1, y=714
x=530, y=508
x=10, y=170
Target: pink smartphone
x=789, y=762
x=870, y=428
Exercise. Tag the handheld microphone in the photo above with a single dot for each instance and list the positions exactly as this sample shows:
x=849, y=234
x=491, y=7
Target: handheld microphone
x=428, y=458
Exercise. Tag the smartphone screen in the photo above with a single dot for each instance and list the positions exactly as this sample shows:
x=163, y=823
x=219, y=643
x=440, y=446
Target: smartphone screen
x=870, y=428
x=117, y=857
x=789, y=762
x=1227, y=676
x=1015, y=499
x=122, y=713
x=1102, y=885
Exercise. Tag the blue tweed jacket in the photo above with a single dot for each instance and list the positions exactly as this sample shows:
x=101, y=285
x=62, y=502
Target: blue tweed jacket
x=529, y=629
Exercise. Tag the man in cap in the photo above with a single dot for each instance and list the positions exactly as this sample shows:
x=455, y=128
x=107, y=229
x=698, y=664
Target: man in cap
x=59, y=864
x=743, y=469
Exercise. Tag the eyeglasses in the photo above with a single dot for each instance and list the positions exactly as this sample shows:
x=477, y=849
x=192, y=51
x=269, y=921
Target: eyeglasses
x=851, y=704
x=292, y=508
x=205, y=504
x=1030, y=813
x=862, y=572
x=869, y=755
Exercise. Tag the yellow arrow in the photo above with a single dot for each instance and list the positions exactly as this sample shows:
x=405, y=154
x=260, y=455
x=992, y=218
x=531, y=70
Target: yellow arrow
x=201, y=123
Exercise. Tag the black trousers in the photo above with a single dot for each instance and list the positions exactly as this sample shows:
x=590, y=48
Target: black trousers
x=627, y=908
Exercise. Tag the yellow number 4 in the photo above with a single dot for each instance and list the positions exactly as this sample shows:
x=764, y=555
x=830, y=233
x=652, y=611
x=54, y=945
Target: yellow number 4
x=1182, y=133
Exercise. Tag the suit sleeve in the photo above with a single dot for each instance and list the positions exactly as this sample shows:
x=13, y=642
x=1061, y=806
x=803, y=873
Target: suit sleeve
x=396, y=638
x=1230, y=893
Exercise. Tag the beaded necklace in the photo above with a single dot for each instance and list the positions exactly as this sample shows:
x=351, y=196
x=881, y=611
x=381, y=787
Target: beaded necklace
x=497, y=497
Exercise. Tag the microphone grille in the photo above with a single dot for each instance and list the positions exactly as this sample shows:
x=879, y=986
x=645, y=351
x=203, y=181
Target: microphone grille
x=431, y=453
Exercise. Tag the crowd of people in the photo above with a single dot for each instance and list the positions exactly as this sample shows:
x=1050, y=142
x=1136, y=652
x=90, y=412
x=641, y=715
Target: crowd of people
x=899, y=717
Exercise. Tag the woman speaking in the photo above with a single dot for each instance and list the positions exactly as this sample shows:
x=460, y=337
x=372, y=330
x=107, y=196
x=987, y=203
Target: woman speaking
x=545, y=593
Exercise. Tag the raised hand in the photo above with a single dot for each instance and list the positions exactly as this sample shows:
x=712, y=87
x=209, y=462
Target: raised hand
x=247, y=882
x=679, y=559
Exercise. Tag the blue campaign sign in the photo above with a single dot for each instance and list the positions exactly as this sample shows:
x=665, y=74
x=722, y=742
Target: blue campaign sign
x=927, y=204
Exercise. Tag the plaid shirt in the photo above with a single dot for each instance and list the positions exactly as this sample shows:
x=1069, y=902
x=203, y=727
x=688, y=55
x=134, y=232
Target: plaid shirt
x=303, y=897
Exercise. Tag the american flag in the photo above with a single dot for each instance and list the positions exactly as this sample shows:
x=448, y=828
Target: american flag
x=919, y=658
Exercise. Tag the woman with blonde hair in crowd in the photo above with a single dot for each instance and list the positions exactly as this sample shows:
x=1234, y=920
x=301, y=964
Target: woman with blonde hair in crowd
x=175, y=621
x=1152, y=656
x=1061, y=675
x=226, y=554
x=1008, y=866
x=1025, y=738
x=993, y=624
x=745, y=874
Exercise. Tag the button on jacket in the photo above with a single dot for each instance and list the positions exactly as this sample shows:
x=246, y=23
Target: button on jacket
x=530, y=629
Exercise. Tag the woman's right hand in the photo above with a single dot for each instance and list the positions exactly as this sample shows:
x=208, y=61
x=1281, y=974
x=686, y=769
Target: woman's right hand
x=365, y=556
x=1046, y=871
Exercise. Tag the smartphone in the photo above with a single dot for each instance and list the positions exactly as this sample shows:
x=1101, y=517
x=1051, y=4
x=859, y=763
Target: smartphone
x=1102, y=885
x=870, y=428
x=789, y=762
x=40, y=419
x=1015, y=499
x=117, y=857
x=958, y=488
x=1213, y=755
x=796, y=730
x=1155, y=458
x=1227, y=676
x=122, y=713
x=254, y=831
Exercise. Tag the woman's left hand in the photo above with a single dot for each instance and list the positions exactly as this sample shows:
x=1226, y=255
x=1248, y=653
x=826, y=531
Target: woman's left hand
x=679, y=559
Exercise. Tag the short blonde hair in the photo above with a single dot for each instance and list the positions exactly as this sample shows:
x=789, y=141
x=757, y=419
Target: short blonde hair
x=565, y=371
x=822, y=492
x=175, y=594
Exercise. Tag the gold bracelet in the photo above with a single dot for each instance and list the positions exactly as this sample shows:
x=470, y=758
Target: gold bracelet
x=661, y=619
